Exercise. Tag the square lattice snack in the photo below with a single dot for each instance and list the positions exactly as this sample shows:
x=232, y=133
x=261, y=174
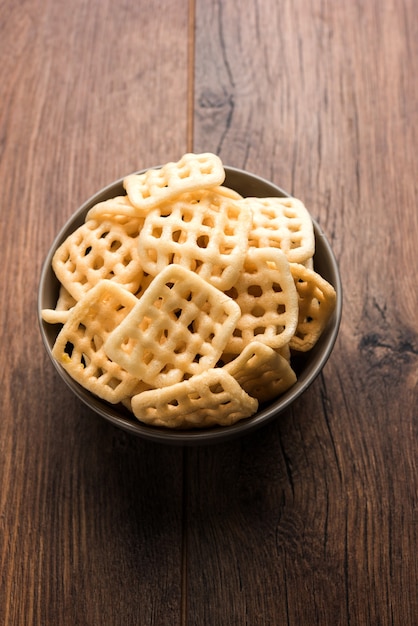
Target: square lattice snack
x=208, y=399
x=79, y=345
x=113, y=208
x=262, y=372
x=282, y=223
x=60, y=314
x=267, y=297
x=178, y=328
x=205, y=232
x=317, y=300
x=100, y=250
x=191, y=172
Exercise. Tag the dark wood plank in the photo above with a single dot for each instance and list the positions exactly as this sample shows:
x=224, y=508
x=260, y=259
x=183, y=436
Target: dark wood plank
x=90, y=518
x=313, y=519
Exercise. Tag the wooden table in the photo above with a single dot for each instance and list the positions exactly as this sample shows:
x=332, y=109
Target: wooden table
x=314, y=518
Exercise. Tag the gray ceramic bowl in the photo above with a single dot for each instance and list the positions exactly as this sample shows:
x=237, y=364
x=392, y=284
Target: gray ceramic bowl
x=307, y=367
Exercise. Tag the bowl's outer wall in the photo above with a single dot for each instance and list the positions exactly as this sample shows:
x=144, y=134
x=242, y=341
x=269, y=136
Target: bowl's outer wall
x=325, y=264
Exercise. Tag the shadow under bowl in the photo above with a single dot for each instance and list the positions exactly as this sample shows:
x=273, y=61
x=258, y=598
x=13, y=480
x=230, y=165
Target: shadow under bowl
x=307, y=366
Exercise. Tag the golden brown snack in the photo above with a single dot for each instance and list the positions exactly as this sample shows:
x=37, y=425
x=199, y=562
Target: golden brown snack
x=212, y=398
x=60, y=314
x=262, y=372
x=114, y=208
x=177, y=329
x=316, y=302
x=79, y=345
x=205, y=232
x=282, y=223
x=155, y=186
x=98, y=250
x=266, y=295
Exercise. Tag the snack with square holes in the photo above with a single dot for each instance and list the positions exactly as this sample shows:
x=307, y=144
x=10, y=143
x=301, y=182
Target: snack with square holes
x=205, y=232
x=212, y=398
x=119, y=208
x=60, y=314
x=266, y=295
x=316, y=302
x=97, y=250
x=155, y=186
x=282, y=223
x=177, y=329
x=261, y=371
x=79, y=344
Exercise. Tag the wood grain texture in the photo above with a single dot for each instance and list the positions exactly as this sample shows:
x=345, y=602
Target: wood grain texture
x=90, y=519
x=313, y=519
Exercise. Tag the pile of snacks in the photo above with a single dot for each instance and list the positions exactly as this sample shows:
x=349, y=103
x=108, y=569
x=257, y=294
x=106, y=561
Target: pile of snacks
x=184, y=301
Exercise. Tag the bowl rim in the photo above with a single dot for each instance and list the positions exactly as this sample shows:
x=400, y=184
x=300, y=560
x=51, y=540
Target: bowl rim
x=120, y=416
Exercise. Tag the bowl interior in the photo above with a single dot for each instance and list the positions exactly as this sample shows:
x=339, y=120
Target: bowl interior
x=307, y=366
